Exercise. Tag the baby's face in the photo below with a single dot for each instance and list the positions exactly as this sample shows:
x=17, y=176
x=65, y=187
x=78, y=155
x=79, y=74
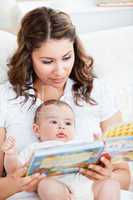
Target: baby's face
x=56, y=123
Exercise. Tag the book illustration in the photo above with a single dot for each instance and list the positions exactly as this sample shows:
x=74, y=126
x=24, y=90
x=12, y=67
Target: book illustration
x=122, y=130
x=65, y=158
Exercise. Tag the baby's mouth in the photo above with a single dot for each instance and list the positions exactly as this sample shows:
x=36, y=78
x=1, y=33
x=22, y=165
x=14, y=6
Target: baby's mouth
x=61, y=135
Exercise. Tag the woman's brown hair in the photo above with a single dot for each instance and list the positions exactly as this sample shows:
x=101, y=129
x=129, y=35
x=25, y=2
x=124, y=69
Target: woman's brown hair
x=38, y=26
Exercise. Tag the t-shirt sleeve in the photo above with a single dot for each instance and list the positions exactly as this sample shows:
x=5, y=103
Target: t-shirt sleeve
x=107, y=99
x=3, y=106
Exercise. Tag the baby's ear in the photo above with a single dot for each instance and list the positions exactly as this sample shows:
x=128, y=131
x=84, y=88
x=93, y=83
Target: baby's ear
x=36, y=130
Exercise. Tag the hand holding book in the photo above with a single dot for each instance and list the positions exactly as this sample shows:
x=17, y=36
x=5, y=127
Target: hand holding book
x=101, y=171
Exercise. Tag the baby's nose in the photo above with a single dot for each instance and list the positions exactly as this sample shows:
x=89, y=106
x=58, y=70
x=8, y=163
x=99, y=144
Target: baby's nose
x=61, y=126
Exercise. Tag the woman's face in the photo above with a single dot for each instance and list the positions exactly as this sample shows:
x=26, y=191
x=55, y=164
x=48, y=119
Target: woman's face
x=53, y=62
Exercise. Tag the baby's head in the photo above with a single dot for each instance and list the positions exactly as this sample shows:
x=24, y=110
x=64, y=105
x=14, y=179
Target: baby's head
x=54, y=120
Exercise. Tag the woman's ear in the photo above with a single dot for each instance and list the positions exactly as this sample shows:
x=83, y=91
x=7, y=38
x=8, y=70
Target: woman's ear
x=36, y=130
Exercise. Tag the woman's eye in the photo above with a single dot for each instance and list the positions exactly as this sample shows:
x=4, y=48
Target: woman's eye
x=67, y=58
x=46, y=62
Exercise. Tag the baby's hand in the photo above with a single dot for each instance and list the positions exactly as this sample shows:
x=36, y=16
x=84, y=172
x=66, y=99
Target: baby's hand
x=9, y=146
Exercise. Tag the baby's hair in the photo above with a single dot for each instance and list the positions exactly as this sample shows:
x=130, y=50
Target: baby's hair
x=49, y=102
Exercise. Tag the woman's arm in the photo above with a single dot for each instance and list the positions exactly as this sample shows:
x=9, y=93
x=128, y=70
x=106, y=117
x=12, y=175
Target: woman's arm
x=7, y=187
x=11, y=160
x=120, y=171
x=2, y=138
x=122, y=174
x=14, y=183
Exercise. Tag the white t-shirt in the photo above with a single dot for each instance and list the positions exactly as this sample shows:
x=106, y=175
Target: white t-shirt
x=17, y=118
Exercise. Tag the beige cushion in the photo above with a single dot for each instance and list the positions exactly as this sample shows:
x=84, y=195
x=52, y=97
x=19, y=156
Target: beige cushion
x=7, y=47
x=112, y=51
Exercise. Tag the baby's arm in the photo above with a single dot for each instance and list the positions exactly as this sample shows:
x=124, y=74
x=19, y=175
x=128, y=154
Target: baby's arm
x=11, y=161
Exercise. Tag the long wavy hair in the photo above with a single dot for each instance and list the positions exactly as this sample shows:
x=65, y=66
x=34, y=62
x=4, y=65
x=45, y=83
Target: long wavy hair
x=38, y=26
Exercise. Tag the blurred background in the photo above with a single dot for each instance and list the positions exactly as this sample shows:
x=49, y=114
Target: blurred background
x=88, y=15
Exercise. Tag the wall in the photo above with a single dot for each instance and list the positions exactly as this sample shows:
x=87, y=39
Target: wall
x=85, y=15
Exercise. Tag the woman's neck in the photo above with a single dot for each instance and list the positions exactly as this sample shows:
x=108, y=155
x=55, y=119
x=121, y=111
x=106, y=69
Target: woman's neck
x=47, y=92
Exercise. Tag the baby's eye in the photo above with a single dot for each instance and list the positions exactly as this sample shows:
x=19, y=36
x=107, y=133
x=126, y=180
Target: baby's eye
x=53, y=122
x=68, y=123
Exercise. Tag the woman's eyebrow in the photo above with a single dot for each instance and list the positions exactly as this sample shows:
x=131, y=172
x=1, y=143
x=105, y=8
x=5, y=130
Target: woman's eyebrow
x=67, y=53
x=53, y=58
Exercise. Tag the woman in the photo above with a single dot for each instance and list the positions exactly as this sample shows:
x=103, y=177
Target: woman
x=50, y=63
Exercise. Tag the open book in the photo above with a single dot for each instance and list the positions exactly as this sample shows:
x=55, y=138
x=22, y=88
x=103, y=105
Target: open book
x=64, y=158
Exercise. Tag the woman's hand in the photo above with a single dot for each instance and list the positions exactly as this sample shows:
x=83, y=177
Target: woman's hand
x=98, y=172
x=9, y=146
x=28, y=183
x=16, y=182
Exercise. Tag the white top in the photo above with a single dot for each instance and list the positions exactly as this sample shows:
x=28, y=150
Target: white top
x=17, y=118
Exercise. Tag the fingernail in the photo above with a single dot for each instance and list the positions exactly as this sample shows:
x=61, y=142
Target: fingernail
x=81, y=170
x=35, y=175
x=102, y=158
x=90, y=166
x=43, y=175
x=25, y=168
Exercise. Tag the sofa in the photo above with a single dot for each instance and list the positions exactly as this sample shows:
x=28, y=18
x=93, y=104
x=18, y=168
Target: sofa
x=112, y=51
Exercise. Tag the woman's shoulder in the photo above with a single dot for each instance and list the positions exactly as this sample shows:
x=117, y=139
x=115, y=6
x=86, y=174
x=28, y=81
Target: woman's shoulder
x=101, y=85
x=102, y=90
x=6, y=89
x=98, y=83
x=97, y=87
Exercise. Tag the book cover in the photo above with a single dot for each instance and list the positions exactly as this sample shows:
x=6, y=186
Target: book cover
x=65, y=158
x=120, y=148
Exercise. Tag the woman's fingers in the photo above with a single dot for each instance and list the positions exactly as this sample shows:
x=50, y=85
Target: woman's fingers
x=30, y=182
x=97, y=172
x=20, y=172
x=107, y=166
x=107, y=163
x=8, y=144
x=26, y=183
x=91, y=174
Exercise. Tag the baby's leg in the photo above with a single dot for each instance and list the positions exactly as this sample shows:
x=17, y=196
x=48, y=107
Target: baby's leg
x=52, y=189
x=107, y=189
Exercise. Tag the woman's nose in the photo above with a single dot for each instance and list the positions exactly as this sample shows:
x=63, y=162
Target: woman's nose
x=59, y=69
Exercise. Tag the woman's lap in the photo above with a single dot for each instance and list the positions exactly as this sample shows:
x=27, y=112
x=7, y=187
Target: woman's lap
x=24, y=196
x=125, y=195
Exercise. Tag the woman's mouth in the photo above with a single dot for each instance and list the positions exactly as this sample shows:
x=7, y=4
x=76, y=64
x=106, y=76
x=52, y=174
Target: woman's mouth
x=61, y=80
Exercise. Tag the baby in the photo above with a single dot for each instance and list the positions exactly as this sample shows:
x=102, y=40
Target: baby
x=54, y=121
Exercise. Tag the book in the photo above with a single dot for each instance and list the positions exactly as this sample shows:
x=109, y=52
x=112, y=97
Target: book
x=66, y=158
x=114, y=3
